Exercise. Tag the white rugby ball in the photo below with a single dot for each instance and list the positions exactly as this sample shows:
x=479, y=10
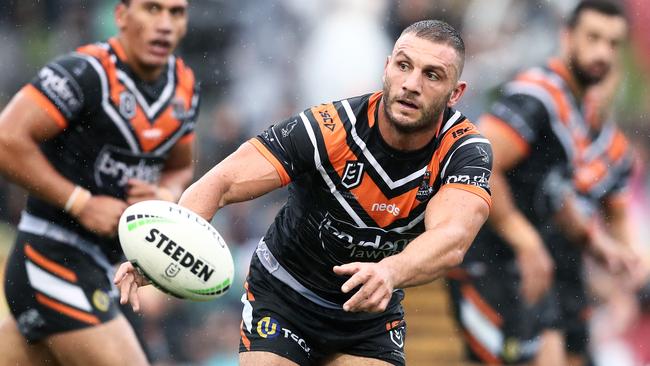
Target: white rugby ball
x=176, y=249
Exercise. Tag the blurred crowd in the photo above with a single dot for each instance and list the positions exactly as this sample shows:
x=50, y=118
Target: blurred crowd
x=260, y=61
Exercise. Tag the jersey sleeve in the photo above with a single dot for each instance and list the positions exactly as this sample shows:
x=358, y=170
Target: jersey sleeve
x=66, y=88
x=288, y=147
x=520, y=117
x=621, y=182
x=469, y=166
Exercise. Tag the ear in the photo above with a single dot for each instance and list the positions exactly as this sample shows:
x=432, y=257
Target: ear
x=383, y=77
x=457, y=93
x=120, y=16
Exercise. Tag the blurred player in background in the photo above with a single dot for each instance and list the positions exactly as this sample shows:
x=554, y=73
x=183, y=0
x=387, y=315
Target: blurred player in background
x=554, y=151
x=386, y=191
x=97, y=129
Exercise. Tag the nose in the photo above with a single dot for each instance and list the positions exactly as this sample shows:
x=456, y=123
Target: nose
x=164, y=22
x=413, y=82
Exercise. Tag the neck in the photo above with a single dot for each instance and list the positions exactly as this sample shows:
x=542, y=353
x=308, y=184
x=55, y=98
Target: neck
x=404, y=141
x=144, y=72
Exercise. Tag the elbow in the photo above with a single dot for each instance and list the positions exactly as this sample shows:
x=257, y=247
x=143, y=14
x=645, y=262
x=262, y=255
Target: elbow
x=455, y=257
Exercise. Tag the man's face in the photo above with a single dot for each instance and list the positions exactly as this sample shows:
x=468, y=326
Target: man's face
x=419, y=79
x=152, y=29
x=593, y=45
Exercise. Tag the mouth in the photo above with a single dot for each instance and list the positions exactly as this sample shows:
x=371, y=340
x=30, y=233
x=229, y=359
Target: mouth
x=407, y=104
x=160, y=47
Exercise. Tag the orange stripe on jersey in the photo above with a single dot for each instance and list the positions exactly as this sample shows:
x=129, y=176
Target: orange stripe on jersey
x=117, y=47
x=617, y=147
x=49, y=265
x=187, y=139
x=561, y=103
x=46, y=105
x=373, y=104
x=470, y=293
x=151, y=135
x=507, y=131
x=481, y=352
x=284, y=176
x=472, y=189
x=560, y=68
x=249, y=294
x=244, y=340
x=81, y=316
x=588, y=175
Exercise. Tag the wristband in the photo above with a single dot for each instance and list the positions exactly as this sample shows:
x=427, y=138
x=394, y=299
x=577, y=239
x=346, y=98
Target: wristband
x=77, y=200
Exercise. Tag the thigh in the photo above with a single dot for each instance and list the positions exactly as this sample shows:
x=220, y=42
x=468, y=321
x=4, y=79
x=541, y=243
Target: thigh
x=345, y=360
x=52, y=288
x=110, y=343
x=254, y=358
x=15, y=349
x=497, y=326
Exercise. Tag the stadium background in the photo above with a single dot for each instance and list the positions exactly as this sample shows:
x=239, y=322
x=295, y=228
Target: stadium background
x=260, y=61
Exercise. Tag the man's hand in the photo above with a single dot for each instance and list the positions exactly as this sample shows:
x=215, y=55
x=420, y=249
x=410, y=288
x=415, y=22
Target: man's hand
x=536, y=270
x=138, y=190
x=128, y=279
x=615, y=256
x=376, y=286
x=101, y=215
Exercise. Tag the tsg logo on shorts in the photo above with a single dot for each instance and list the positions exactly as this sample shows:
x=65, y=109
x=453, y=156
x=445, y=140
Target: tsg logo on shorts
x=114, y=167
x=268, y=327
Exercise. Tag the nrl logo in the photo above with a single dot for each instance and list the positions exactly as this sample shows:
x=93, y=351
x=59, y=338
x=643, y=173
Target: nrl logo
x=352, y=174
x=172, y=270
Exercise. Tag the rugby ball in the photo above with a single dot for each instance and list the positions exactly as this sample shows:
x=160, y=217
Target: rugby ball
x=176, y=249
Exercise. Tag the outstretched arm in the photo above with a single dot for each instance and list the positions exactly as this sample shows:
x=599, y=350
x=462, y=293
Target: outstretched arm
x=242, y=176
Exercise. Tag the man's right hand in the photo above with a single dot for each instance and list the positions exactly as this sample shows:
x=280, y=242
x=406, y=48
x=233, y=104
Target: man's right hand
x=614, y=255
x=128, y=279
x=536, y=270
x=101, y=215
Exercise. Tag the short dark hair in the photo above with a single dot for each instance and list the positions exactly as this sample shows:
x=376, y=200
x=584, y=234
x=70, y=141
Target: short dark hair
x=439, y=32
x=601, y=6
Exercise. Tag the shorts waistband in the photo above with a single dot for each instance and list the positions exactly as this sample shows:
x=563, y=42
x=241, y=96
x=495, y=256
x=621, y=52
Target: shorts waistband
x=276, y=270
x=35, y=225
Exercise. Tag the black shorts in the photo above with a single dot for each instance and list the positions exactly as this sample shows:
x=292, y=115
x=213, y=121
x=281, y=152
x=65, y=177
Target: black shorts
x=574, y=309
x=498, y=327
x=279, y=320
x=52, y=287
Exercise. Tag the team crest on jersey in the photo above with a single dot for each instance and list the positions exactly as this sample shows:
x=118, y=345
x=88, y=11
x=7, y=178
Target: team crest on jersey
x=425, y=189
x=178, y=109
x=352, y=174
x=127, y=105
x=484, y=155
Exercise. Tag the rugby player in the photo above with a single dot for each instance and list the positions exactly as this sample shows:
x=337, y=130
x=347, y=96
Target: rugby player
x=95, y=130
x=550, y=155
x=386, y=190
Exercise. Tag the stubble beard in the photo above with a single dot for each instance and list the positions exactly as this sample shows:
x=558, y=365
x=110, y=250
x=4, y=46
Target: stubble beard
x=582, y=76
x=428, y=120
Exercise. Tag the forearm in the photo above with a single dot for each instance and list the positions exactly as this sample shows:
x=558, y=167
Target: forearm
x=242, y=176
x=507, y=220
x=22, y=162
x=429, y=256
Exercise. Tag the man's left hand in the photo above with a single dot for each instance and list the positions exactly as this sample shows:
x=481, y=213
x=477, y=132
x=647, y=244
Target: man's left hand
x=376, y=286
x=138, y=190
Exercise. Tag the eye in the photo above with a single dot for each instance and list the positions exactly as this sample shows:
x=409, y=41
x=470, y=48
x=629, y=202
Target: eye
x=432, y=75
x=178, y=12
x=403, y=66
x=153, y=8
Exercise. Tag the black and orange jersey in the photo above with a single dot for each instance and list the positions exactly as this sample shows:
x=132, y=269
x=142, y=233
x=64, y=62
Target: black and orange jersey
x=354, y=198
x=115, y=126
x=566, y=151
